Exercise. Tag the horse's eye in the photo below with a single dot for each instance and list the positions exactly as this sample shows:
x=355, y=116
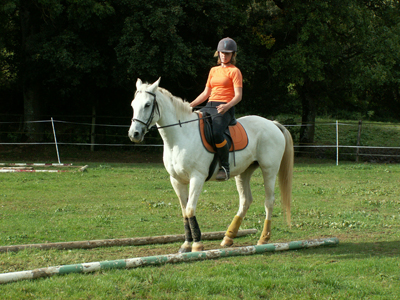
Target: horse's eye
x=147, y=105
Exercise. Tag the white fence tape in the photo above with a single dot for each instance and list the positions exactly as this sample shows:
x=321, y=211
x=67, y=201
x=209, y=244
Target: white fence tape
x=336, y=145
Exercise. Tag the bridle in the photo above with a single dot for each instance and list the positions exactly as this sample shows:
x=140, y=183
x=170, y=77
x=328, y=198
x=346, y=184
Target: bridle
x=153, y=109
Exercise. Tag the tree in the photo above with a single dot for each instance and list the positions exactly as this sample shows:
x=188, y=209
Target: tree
x=325, y=49
x=91, y=52
x=8, y=61
x=57, y=49
x=295, y=55
x=175, y=40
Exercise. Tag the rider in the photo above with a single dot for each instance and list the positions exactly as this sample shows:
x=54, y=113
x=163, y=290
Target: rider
x=224, y=90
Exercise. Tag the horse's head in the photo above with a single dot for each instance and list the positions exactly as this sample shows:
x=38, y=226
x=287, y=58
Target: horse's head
x=145, y=110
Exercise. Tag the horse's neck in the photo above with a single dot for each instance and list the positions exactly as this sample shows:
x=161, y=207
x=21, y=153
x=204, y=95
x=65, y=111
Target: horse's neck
x=177, y=134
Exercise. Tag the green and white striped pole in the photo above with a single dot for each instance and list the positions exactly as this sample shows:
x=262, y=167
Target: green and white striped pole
x=164, y=259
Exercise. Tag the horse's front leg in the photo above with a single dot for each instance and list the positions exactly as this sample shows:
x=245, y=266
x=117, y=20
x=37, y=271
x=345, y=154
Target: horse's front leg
x=196, y=185
x=181, y=191
x=188, y=203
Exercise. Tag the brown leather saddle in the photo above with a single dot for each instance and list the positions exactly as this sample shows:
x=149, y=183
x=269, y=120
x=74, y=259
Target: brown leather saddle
x=235, y=135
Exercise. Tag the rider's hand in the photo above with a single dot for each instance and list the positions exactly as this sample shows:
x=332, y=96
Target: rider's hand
x=223, y=108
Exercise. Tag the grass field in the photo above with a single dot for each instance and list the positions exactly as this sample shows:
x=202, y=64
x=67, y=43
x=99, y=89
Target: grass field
x=358, y=203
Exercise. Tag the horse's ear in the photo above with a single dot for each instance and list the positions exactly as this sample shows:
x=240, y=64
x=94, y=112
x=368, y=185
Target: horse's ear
x=154, y=86
x=138, y=84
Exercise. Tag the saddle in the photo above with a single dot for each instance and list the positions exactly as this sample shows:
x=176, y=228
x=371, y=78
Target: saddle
x=235, y=135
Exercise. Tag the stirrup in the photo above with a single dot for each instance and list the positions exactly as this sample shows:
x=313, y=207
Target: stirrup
x=222, y=176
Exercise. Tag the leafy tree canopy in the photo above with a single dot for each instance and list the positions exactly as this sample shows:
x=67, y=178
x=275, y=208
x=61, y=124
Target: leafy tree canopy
x=297, y=56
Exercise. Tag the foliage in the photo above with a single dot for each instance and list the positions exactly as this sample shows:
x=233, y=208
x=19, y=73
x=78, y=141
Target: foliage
x=334, y=53
x=174, y=40
x=309, y=57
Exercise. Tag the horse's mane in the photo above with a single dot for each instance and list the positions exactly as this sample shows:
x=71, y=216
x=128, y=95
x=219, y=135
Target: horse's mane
x=182, y=107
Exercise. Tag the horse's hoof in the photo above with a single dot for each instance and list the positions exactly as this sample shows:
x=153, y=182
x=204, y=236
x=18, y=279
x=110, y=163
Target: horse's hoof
x=185, y=250
x=185, y=247
x=262, y=242
x=227, y=242
x=196, y=247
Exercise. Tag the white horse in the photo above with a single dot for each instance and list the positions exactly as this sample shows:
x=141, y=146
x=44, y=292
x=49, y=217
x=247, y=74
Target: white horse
x=187, y=161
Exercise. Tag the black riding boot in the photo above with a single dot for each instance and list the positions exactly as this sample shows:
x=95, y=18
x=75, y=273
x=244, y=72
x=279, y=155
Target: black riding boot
x=223, y=154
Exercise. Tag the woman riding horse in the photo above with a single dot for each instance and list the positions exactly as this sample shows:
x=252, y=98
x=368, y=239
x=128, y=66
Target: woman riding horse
x=224, y=90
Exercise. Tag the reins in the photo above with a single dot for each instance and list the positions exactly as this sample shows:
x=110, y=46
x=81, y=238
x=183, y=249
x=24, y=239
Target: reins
x=154, y=108
x=181, y=123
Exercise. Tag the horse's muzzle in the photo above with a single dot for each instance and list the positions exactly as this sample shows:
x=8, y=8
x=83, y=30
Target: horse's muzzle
x=136, y=135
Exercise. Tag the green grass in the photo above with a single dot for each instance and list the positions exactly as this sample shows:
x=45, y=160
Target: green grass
x=358, y=203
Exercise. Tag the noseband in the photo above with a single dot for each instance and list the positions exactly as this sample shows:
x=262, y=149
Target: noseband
x=153, y=109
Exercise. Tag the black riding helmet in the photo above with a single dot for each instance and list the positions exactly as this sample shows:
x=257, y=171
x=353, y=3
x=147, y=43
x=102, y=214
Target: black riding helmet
x=227, y=45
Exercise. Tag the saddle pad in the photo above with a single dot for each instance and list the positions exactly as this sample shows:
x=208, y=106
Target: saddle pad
x=238, y=135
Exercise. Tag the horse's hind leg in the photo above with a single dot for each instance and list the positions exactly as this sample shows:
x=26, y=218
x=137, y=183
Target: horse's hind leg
x=245, y=197
x=269, y=185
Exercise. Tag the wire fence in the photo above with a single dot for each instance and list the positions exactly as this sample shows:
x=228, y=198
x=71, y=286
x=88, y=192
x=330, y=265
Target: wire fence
x=341, y=140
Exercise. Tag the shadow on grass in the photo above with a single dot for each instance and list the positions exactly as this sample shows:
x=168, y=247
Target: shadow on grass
x=351, y=250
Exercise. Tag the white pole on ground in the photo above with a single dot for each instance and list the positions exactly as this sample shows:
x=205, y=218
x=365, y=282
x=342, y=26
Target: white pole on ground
x=55, y=140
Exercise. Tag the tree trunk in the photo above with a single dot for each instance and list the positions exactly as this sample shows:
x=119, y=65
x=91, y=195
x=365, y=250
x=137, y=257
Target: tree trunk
x=307, y=130
x=32, y=112
x=30, y=20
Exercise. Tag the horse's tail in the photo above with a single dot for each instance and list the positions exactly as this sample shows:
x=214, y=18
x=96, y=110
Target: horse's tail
x=286, y=172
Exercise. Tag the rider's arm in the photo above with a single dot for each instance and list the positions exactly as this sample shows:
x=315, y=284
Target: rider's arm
x=235, y=100
x=238, y=96
x=201, y=98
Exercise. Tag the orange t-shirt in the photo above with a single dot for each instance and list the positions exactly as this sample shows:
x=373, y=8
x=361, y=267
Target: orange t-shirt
x=222, y=81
